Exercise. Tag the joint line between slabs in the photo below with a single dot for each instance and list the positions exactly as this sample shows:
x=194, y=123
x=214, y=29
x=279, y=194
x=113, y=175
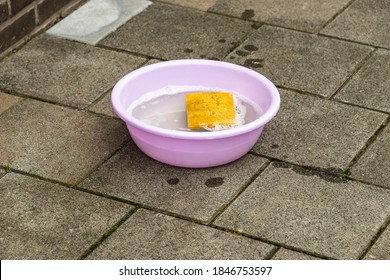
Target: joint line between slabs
x=385, y=225
x=339, y=12
x=140, y=55
x=103, y=161
x=330, y=98
x=352, y=41
x=367, y=145
x=353, y=73
x=143, y=206
x=274, y=243
x=108, y=233
x=272, y=253
x=238, y=193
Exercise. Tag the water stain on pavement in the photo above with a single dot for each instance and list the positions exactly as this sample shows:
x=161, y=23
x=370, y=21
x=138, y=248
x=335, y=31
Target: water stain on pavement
x=214, y=182
x=251, y=48
x=242, y=53
x=173, y=181
x=330, y=174
x=248, y=14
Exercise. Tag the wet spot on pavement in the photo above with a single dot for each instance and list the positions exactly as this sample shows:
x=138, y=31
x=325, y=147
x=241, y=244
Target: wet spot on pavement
x=242, y=53
x=248, y=14
x=173, y=181
x=214, y=182
x=333, y=175
x=251, y=48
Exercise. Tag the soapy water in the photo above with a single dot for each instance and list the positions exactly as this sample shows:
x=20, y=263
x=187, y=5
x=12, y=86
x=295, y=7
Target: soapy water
x=166, y=108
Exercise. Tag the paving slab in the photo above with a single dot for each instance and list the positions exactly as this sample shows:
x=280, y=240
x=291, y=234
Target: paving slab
x=157, y=32
x=299, y=60
x=381, y=248
x=300, y=14
x=194, y=193
x=7, y=101
x=41, y=220
x=306, y=210
x=96, y=19
x=202, y=5
x=285, y=254
x=316, y=132
x=369, y=87
x=78, y=73
x=103, y=106
x=149, y=235
x=56, y=142
x=374, y=164
x=365, y=21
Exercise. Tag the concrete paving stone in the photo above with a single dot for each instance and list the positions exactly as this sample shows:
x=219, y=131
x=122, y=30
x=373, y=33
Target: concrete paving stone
x=103, y=106
x=195, y=193
x=316, y=132
x=365, y=21
x=56, y=142
x=307, y=15
x=374, y=164
x=285, y=254
x=96, y=19
x=7, y=101
x=63, y=71
x=381, y=249
x=150, y=235
x=202, y=5
x=306, y=210
x=2, y=172
x=369, y=87
x=299, y=60
x=169, y=32
x=41, y=220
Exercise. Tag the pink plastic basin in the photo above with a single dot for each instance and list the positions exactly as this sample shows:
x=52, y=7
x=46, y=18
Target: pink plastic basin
x=195, y=149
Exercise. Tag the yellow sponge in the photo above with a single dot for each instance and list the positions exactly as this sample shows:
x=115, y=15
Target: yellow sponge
x=209, y=109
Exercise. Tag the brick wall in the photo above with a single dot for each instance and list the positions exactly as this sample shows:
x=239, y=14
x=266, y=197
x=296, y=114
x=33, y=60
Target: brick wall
x=20, y=20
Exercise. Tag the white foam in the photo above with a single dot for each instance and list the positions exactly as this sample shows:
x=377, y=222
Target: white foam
x=240, y=108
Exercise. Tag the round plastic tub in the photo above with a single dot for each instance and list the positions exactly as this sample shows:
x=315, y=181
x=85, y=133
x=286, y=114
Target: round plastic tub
x=190, y=148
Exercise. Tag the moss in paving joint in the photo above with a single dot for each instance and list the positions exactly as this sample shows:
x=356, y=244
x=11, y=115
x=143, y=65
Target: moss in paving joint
x=272, y=253
x=108, y=234
x=270, y=242
x=105, y=159
x=355, y=70
x=34, y=176
x=367, y=145
x=375, y=238
x=7, y=168
x=238, y=193
x=331, y=174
